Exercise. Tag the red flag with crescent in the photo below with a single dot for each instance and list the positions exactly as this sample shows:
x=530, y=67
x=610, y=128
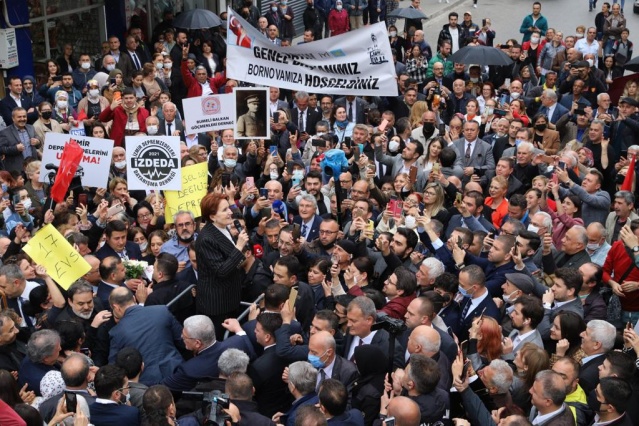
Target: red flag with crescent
x=71, y=157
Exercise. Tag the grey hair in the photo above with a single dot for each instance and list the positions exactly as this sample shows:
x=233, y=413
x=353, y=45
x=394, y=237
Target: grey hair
x=599, y=96
x=232, y=361
x=627, y=196
x=435, y=267
x=550, y=94
x=633, y=147
x=583, y=235
x=309, y=198
x=526, y=145
x=11, y=272
x=181, y=212
x=366, y=305
x=362, y=127
x=304, y=376
x=603, y=332
x=553, y=386
x=573, y=157
x=301, y=95
x=503, y=375
x=600, y=228
x=200, y=327
x=598, y=121
x=227, y=147
x=547, y=220
x=42, y=344
x=427, y=344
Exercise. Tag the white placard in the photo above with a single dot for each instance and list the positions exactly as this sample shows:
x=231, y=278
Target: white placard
x=153, y=162
x=95, y=163
x=206, y=113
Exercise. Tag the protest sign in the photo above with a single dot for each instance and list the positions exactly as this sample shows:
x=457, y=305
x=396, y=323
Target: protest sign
x=252, y=112
x=63, y=263
x=95, y=163
x=208, y=113
x=153, y=162
x=194, y=188
x=357, y=63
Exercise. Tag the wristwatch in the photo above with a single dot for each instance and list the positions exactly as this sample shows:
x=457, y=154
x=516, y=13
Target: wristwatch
x=635, y=249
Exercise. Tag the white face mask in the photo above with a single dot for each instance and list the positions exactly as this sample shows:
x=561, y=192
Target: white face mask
x=533, y=228
x=120, y=164
x=230, y=163
x=590, y=62
x=152, y=130
x=274, y=9
x=508, y=297
x=338, y=7
x=85, y=65
x=94, y=93
x=62, y=104
x=580, y=35
x=393, y=146
x=534, y=40
x=110, y=67
x=489, y=110
x=515, y=95
x=143, y=245
x=274, y=175
x=27, y=203
x=593, y=246
x=474, y=79
x=159, y=65
x=168, y=65
x=393, y=33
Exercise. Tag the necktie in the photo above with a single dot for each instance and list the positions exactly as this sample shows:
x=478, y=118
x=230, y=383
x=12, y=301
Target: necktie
x=168, y=132
x=304, y=229
x=350, y=112
x=361, y=343
x=136, y=61
x=124, y=255
x=466, y=308
x=322, y=377
x=301, y=123
x=468, y=151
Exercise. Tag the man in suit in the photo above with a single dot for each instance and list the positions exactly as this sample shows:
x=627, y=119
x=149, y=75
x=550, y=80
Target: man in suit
x=470, y=215
x=507, y=141
x=75, y=374
x=302, y=377
x=151, y=329
x=550, y=107
x=402, y=163
x=286, y=271
x=526, y=315
x=170, y=125
x=623, y=214
x=476, y=299
x=421, y=311
x=239, y=388
x=333, y=403
x=12, y=350
x=616, y=395
x=361, y=315
x=562, y=296
x=355, y=108
x=112, y=275
x=18, y=141
x=304, y=117
x=574, y=252
x=112, y=390
x=309, y=221
x=548, y=394
x=122, y=60
x=117, y=244
x=199, y=337
x=15, y=98
x=472, y=152
x=595, y=306
x=322, y=354
x=596, y=341
x=271, y=393
x=43, y=350
x=274, y=102
x=425, y=341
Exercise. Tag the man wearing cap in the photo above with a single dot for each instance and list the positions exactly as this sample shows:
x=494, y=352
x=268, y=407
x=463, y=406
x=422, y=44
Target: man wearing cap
x=516, y=285
x=625, y=129
x=526, y=314
x=469, y=29
x=252, y=123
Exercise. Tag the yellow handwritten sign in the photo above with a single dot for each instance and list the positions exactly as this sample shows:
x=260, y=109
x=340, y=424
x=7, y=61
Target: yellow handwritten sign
x=63, y=263
x=194, y=186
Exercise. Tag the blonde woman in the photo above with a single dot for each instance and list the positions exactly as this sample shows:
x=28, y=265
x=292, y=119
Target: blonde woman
x=497, y=200
x=418, y=109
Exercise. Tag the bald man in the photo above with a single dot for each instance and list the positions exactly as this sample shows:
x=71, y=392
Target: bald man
x=405, y=410
x=329, y=365
x=425, y=340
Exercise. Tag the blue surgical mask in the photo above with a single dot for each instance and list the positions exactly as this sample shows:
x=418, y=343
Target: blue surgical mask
x=5, y=187
x=464, y=292
x=316, y=361
x=230, y=163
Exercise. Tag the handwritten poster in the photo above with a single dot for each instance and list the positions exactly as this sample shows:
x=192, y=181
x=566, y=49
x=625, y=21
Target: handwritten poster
x=63, y=263
x=194, y=188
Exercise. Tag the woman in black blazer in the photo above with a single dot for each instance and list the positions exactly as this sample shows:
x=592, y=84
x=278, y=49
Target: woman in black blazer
x=219, y=257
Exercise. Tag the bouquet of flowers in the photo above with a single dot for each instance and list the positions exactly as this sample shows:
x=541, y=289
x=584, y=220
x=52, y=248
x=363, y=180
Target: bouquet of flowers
x=135, y=268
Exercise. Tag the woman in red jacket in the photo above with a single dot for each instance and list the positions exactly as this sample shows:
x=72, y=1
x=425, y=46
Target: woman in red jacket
x=338, y=21
x=129, y=117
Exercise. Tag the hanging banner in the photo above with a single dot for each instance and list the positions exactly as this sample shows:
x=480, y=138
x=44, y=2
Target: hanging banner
x=194, y=188
x=206, y=113
x=153, y=162
x=356, y=63
x=95, y=163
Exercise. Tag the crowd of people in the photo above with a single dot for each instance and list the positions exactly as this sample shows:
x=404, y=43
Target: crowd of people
x=474, y=259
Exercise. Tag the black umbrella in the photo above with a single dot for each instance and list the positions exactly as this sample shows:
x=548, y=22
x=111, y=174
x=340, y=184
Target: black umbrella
x=632, y=65
x=482, y=55
x=408, y=13
x=197, y=19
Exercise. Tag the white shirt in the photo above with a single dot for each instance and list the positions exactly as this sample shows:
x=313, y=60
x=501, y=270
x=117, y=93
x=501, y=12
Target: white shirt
x=273, y=106
x=454, y=33
x=328, y=370
x=191, y=140
x=540, y=419
x=520, y=338
x=17, y=100
x=586, y=48
x=309, y=225
x=587, y=359
x=206, y=88
x=551, y=111
x=367, y=341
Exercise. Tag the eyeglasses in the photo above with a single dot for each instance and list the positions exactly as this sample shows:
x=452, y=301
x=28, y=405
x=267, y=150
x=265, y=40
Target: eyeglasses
x=389, y=282
x=144, y=216
x=324, y=232
x=184, y=225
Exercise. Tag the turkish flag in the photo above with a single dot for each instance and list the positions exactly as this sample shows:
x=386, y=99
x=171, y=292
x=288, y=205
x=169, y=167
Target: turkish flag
x=71, y=157
x=630, y=176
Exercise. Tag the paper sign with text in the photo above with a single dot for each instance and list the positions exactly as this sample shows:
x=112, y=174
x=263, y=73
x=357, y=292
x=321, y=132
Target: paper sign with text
x=95, y=163
x=208, y=113
x=194, y=188
x=63, y=263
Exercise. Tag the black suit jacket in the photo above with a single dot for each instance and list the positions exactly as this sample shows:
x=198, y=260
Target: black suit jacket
x=311, y=119
x=132, y=251
x=271, y=393
x=313, y=233
x=345, y=371
x=176, y=125
x=380, y=339
x=589, y=373
x=104, y=291
x=113, y=414
x=7, y=104
x=501, y=144
x=467, y=322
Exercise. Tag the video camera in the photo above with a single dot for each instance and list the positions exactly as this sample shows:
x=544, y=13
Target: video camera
x=215, y=402
x=392, y=325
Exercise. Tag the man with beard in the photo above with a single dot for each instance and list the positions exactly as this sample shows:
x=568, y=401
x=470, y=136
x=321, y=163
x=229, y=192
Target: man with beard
x=323, y=246
x=427, y=131
x=184, y=234
x=312, y=186
x=83, y=308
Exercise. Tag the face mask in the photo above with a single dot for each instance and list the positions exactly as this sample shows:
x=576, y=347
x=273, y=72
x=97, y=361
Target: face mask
x=120, y=164
x=541, y=127
x=152, y=130
x=110, y=67
x=590, y=62
x=508, y=297
x=393, y=146
x=46, y=115
x=316, y=361
x=274, y=175
x=474, y=79
x=580, y=35
x=143, y=245
x=86, y=65
x=533, y=228
x=428, y=127
x=168, y=66
x=283, y=4
x=489, y=110
x=62, y=104
x=515, y=95
x=230, y=163
x=94, y=93
x=534, y=40
x=159, y=65
x=464, y=292
x=27, y=203
x=274, y=9
x=298, y=174
x=593, y=246
x=338, y=7
x=125, y=398
x=393, y=34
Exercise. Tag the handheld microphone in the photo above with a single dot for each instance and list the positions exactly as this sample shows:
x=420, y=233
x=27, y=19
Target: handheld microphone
x=51, y=166
x=258, y=251
x=278, y=207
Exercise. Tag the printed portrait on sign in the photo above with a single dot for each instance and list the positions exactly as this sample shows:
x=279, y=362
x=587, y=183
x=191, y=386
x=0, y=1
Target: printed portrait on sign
x=252, y=113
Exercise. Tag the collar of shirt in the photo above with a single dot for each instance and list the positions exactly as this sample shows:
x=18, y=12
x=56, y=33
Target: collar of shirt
x=586, y=359
x=368, y=339
x=329, y=368
x=542, y=418
x=559, y=304
x=269, y=346
x=476, y=301
x=105, y=401
x=598, y=423
x=521, y=337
